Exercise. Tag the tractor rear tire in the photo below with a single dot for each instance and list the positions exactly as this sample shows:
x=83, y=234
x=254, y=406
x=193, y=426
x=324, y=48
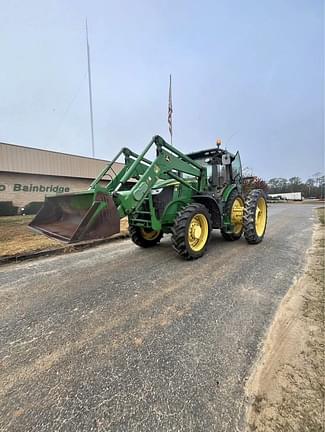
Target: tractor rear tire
x=144, y=237
x=234, y=199
x=191, y=231
x=255, y=216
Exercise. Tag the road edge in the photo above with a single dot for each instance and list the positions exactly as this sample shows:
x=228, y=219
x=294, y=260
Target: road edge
x=284, y=349
x=61, y=250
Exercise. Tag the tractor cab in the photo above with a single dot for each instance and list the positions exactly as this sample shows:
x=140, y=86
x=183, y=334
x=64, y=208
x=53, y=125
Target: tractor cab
x=223, y=167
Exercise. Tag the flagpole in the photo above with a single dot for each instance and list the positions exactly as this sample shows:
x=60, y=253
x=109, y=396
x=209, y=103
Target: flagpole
x=171, y=104
x=90, y=96
x=170, y=110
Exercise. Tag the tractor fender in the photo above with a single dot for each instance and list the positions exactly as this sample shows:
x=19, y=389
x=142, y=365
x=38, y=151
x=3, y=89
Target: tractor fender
x=178, y=202
x=227, y=191
x=212, y=205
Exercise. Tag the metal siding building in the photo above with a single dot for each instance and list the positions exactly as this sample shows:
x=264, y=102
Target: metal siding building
x=27, y=174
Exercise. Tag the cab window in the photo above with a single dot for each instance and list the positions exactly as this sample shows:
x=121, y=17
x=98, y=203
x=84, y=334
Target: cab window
x=203, y=163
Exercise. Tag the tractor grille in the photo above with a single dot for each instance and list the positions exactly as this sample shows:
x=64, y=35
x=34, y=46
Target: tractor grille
x=161, y=200
x=142, y=216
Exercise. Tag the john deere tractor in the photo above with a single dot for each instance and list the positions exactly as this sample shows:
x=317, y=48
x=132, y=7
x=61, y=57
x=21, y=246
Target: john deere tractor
x=185, y=195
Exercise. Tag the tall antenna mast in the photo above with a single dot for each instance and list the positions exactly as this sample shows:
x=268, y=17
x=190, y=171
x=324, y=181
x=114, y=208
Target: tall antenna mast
x=90, y=96
x=170, y=110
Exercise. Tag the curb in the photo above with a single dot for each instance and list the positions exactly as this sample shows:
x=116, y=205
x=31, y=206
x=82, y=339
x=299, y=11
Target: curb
x=61, y=250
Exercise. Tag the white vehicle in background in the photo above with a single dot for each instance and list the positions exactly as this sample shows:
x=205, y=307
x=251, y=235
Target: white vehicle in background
x=292, y=196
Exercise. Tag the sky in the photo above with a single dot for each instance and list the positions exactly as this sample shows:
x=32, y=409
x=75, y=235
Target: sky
x=250, y=72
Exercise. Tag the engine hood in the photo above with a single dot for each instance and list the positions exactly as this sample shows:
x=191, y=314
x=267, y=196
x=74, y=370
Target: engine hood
x=161, y=184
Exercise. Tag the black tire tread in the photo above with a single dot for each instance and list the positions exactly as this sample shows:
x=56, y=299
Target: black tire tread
x=136, y=237
x=249, y=216
x=179, y=230
x=227, y=211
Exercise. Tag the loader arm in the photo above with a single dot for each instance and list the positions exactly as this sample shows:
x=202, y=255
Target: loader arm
x=129, y=157
x=96, y=213
x=168, y=164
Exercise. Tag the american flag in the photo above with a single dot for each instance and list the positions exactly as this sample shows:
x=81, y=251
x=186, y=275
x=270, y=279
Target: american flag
x=170, y=110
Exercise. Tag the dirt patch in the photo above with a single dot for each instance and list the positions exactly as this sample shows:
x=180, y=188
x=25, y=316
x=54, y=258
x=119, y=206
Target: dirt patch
x=287, y=388
x=16, y=238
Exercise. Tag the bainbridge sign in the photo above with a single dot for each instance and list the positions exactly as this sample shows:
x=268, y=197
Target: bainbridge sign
x=18, y=187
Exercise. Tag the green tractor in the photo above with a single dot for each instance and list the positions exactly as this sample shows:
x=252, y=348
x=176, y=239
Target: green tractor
x=185, y=195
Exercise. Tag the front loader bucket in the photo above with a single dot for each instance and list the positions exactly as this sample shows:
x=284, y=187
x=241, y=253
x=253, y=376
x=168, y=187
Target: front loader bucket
x=76, y=217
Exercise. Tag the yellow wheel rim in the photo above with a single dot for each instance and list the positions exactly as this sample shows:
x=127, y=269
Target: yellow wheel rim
x=198, y=232
x=149, y=235
x=236, y=216
x=260, y=217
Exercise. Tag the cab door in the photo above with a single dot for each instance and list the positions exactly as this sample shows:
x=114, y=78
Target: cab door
x=236, y=168
x=236, y=171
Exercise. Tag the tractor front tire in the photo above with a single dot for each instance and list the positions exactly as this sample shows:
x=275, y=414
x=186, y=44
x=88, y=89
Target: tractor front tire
x=191, y=231
x=144, y=237
x=255, y=216
x=235, y=203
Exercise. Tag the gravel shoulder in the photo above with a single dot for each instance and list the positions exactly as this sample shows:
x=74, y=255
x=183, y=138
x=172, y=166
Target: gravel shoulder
x=287, y=387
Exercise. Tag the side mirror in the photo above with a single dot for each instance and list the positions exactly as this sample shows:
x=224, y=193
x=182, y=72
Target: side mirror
x=226, y=159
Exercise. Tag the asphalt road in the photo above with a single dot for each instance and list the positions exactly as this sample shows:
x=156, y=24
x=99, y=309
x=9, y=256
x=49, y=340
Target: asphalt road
x=120, y=338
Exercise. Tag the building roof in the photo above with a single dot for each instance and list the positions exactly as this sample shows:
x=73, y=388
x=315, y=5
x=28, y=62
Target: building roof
x=29, y=160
